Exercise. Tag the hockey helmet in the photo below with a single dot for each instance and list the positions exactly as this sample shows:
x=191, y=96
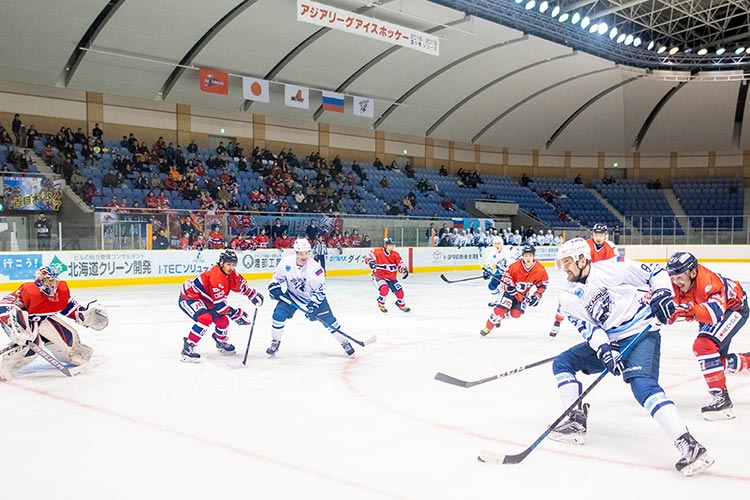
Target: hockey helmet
x=228, y=256
x=46, y=279
x=528, y=249
x=681, y=262
x=302, y=245
x=498, y=239
x=599, y=228
x=388, y=241
x=574, y=248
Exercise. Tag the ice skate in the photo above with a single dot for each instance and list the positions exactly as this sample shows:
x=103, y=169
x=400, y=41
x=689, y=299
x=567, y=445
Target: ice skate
x=188, y=352
x=405, y=308
x=223, y=346
x=485, y=331
x=273, y=348
x=720, y=408
x=554, y=330
x=572, y=430
x=348, y=348
x=694, y=457
x=382, y=308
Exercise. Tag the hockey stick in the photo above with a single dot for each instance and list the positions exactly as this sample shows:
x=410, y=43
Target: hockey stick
x=442, y=377
x=495, y=458
x=442, y=276
x=49, y=358
x=372, y=339
x=249, y=337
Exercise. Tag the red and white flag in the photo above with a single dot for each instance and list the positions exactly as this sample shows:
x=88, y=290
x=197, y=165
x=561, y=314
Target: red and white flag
x=216, y=82
x=255, y=89
x=296, y=96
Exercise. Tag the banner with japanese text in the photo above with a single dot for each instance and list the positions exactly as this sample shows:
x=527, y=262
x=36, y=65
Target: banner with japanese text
x=356, y=24
x=31, y=193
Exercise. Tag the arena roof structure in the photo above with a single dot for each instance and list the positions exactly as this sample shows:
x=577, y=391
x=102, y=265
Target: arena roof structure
x=499, y=79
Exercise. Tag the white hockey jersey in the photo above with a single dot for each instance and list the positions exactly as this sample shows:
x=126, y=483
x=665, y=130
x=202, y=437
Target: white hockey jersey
x=613, y=302
x=497, y=262
x=303, y=284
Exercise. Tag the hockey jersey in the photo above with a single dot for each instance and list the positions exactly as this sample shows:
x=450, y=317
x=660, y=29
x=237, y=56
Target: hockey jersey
x=607, y=251
x=386, y=264
x=303, y=284
x=524, y=280
x=712, y=295
x=497, y=262
x=612, y=304
x=29, y=298
x=212, y=287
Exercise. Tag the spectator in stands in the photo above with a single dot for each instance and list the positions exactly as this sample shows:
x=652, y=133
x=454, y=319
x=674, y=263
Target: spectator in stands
x=5, y=136
x=80, y=138
x=409, y=170
x=393, y=165
x=220, y=149
x=358, y=208
x=578, y=179
x=393, y=209
x=384, y=183
x=447, y=204
x=160, y=240
x=77, y=180
x=16, y=127
x=97, y=133
x=366, y=242
x=443, y=171
x=278, y=229
x=156, y=182
x=87, y=154
x=378, y=164
x=406, y=202
x=31, y=136
x=5, y=170
x=192, y=147
x=124, y=143
x=357, y=169
x=88, y=191
x=48, y=154
x=525, y=180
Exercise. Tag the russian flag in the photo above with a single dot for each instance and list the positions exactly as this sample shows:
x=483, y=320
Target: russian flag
x=319, y=272
x=333, y=102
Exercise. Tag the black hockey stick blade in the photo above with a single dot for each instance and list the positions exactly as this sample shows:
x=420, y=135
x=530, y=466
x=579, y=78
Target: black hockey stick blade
x=442, y=377
x=250, y=337
x=442, y=276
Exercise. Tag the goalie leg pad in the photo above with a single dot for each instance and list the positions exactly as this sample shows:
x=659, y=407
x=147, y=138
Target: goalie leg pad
x=13, y=360
x=63, y=341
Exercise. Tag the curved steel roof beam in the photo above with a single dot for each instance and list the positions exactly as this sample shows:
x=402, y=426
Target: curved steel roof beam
x=654, y=112
x=534, y=96
x=375, y=60
x=88, y=38
x=439, y=72
x=583, y=108
x=494, y=82
x=191, y=54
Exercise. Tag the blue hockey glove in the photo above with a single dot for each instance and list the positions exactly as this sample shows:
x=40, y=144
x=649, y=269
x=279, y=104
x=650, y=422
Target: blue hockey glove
x=256, y=299
x=608, y=356
x=662, y=305
x=274, y=290
x=486, y=274
x=533, y=300
x=372, y=264
x=239, y=316
x=312, y=311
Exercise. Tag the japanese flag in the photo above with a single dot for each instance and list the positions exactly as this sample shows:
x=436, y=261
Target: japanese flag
x=255, y=89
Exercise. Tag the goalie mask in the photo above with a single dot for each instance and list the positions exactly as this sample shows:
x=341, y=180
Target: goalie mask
x=46, y=279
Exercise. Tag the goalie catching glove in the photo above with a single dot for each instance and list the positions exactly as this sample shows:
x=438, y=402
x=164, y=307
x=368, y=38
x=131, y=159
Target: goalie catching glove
x=93, y=316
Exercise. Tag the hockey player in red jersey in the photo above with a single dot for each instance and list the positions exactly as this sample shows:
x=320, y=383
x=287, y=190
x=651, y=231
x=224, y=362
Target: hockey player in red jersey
x=721, y=309
x=601, y=249
x=385, y=262
x=215, y=238
x=30, y=314
x=204, y=299
x=524, y=282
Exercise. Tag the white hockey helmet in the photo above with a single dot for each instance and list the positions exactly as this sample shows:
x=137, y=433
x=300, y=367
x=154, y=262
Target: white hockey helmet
x=302, y=245
x=573, y=248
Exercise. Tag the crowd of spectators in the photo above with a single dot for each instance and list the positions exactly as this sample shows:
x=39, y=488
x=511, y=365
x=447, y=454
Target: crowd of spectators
x=472, y=237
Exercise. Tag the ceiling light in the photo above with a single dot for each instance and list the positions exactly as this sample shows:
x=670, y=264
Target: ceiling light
x=621, y=38
x=720, y=51
x=530, y=5
x=673, y=51
x=563, y=17
x=543, y=7
x=703, y=52
x=594, y=27
x=661, y=49
x=519, y=1
x=613, y=33
x=555, y=11
x=637, y=42
x=602, y=28
x=576, y=17
x=585, y=22
x=650, y=45
x=628, y=39
x=739, y=50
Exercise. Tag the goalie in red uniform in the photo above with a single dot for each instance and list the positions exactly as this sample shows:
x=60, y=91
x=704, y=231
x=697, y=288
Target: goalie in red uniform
x=524, y=281
x=30, y=315
x=204, y=299
x=385, y=262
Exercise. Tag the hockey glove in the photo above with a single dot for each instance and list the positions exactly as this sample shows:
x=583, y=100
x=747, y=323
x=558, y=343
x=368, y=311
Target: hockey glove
x=609, y=356
x=486, y=274
x=510, y=289
x=533, y=300
x=312, y=311
x=662, y=305
x=239, y=316
x=405, y=274
x=274, y=290
x=686, y=311
x=94, y=317
x=372, y=264
x=256, y=299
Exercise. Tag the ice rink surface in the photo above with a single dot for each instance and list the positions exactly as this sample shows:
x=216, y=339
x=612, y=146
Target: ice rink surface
x=313, y=424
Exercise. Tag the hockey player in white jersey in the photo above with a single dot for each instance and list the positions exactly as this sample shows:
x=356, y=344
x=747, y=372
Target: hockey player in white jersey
x=604, y=301
x=498, y=259
x=305, y=283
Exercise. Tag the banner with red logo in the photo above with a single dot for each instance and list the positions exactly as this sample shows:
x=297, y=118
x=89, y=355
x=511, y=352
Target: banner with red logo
x=216, y=82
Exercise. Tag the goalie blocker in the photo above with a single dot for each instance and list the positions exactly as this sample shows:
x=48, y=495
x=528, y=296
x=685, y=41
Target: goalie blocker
x=33, y=313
